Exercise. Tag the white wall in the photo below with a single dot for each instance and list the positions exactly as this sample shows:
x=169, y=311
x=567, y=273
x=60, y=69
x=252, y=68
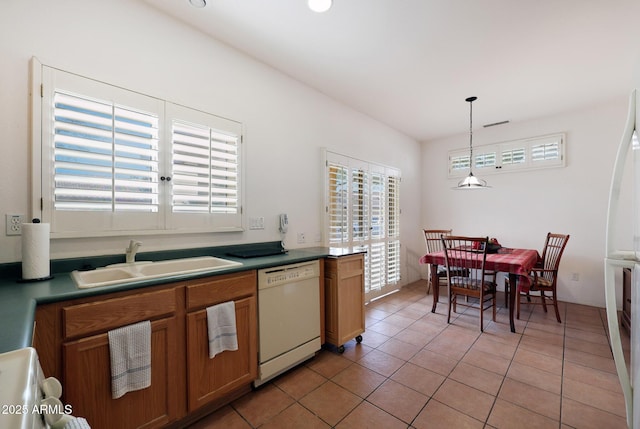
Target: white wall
x=522, y=207
x=131, y=45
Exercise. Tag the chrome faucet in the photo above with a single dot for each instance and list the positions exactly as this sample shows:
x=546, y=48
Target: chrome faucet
x=130, y=252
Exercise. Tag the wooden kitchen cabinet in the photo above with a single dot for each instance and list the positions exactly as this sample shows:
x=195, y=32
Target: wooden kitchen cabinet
x=625, y=319
x=212, y=379
x=344, y=299
x=72, y=339
x=87, y=382
x=86, y=360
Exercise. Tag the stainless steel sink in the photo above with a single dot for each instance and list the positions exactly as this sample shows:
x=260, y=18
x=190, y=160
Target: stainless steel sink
x=125, y=273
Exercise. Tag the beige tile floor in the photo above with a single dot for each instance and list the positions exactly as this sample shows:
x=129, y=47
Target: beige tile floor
x=413, y=370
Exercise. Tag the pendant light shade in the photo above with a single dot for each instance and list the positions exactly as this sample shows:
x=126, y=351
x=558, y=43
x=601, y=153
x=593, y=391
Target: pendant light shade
x=319, y=6
x=471, y=181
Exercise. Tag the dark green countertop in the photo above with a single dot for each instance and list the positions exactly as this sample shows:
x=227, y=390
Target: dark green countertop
x=18, y=300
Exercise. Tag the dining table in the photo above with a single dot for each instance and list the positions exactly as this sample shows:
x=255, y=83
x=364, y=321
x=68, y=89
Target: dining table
x=516, y=263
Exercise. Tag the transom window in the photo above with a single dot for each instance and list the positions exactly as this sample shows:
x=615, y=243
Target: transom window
x=533, y=153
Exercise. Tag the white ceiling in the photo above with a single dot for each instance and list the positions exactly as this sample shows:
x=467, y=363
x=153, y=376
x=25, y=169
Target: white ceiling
x=411, y=63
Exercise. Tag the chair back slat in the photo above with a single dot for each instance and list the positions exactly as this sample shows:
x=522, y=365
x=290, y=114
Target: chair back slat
x=433, y=239
x=466, y=254
x=553, y=249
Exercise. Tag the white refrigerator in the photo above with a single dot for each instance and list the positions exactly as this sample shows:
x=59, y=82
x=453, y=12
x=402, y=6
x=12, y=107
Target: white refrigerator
x=615, y=259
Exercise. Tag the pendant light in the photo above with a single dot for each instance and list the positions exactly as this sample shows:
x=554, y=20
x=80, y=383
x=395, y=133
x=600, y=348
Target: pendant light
x=319, y=6
x=471, y=181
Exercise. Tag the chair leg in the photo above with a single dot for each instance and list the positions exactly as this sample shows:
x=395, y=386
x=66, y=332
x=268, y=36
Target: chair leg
x=481, y=312
x=506, y=293
x=451, y=302
x=494, y=306
x=544, y=300
x=555, y=305
x=517, y=292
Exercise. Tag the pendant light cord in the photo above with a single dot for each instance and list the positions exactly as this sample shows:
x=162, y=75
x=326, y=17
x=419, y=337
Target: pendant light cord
x=470, y=134
x=471, y=100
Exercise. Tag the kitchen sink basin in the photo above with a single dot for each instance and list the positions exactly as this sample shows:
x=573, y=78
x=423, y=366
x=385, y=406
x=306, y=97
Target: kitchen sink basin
x=185, y=265
x=125, y=273
x=101, y=276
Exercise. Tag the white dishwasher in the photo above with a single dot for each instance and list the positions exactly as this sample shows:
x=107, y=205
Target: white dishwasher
x=288, y=317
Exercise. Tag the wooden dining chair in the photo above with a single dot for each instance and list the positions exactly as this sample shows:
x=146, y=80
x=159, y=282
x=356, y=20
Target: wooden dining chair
x=467, y=255
x=433, y=240
x=544, y=276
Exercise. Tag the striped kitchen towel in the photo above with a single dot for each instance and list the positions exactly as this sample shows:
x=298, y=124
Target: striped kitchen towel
x=130, y=350
x=221, y=326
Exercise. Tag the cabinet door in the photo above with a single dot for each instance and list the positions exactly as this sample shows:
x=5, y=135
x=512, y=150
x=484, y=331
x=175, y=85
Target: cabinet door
x=87, y=382
x=210, y=379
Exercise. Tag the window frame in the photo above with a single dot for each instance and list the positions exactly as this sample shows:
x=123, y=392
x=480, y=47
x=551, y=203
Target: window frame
x=500, y=149
x=45, y=80
x=382, y=247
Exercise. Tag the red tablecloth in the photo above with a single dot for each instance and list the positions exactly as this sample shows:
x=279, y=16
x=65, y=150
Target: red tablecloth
x=516, y=261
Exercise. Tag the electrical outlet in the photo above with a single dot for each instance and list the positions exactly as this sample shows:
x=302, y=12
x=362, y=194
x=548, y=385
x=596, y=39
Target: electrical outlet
x=301, y=238
x=14, y=224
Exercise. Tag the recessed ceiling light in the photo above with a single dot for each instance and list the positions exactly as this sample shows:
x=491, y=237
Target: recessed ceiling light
x=198, y=3
x=320, y=5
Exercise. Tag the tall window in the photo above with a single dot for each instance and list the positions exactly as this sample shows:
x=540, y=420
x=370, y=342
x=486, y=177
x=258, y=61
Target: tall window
x=363, y=213
x=114, y=161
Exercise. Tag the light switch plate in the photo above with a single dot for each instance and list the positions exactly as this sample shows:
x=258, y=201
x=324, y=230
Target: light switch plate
x=256, y=222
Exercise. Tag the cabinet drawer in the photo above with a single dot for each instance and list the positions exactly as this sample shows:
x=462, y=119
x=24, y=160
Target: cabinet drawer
x=93, y=317
x=345, y=266
x=214, y=290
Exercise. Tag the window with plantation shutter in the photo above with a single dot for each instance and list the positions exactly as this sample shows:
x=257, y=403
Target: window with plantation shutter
x=513, y=156
x=393, y=209
x=485, y=160
x=363, y=213
x=546, y=150
x=105, y=156
x=458, y=163
x=518, y=155
x=359, y=204
x=116, y=161
x=338, y=204
x=205, y=170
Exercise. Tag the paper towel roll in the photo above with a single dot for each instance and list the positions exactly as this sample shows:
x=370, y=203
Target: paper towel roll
x=35, y=251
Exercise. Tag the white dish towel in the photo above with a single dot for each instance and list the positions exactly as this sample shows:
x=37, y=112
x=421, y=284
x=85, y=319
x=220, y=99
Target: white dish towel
x=221, y=326
x=130, y=350
x=77, y=423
